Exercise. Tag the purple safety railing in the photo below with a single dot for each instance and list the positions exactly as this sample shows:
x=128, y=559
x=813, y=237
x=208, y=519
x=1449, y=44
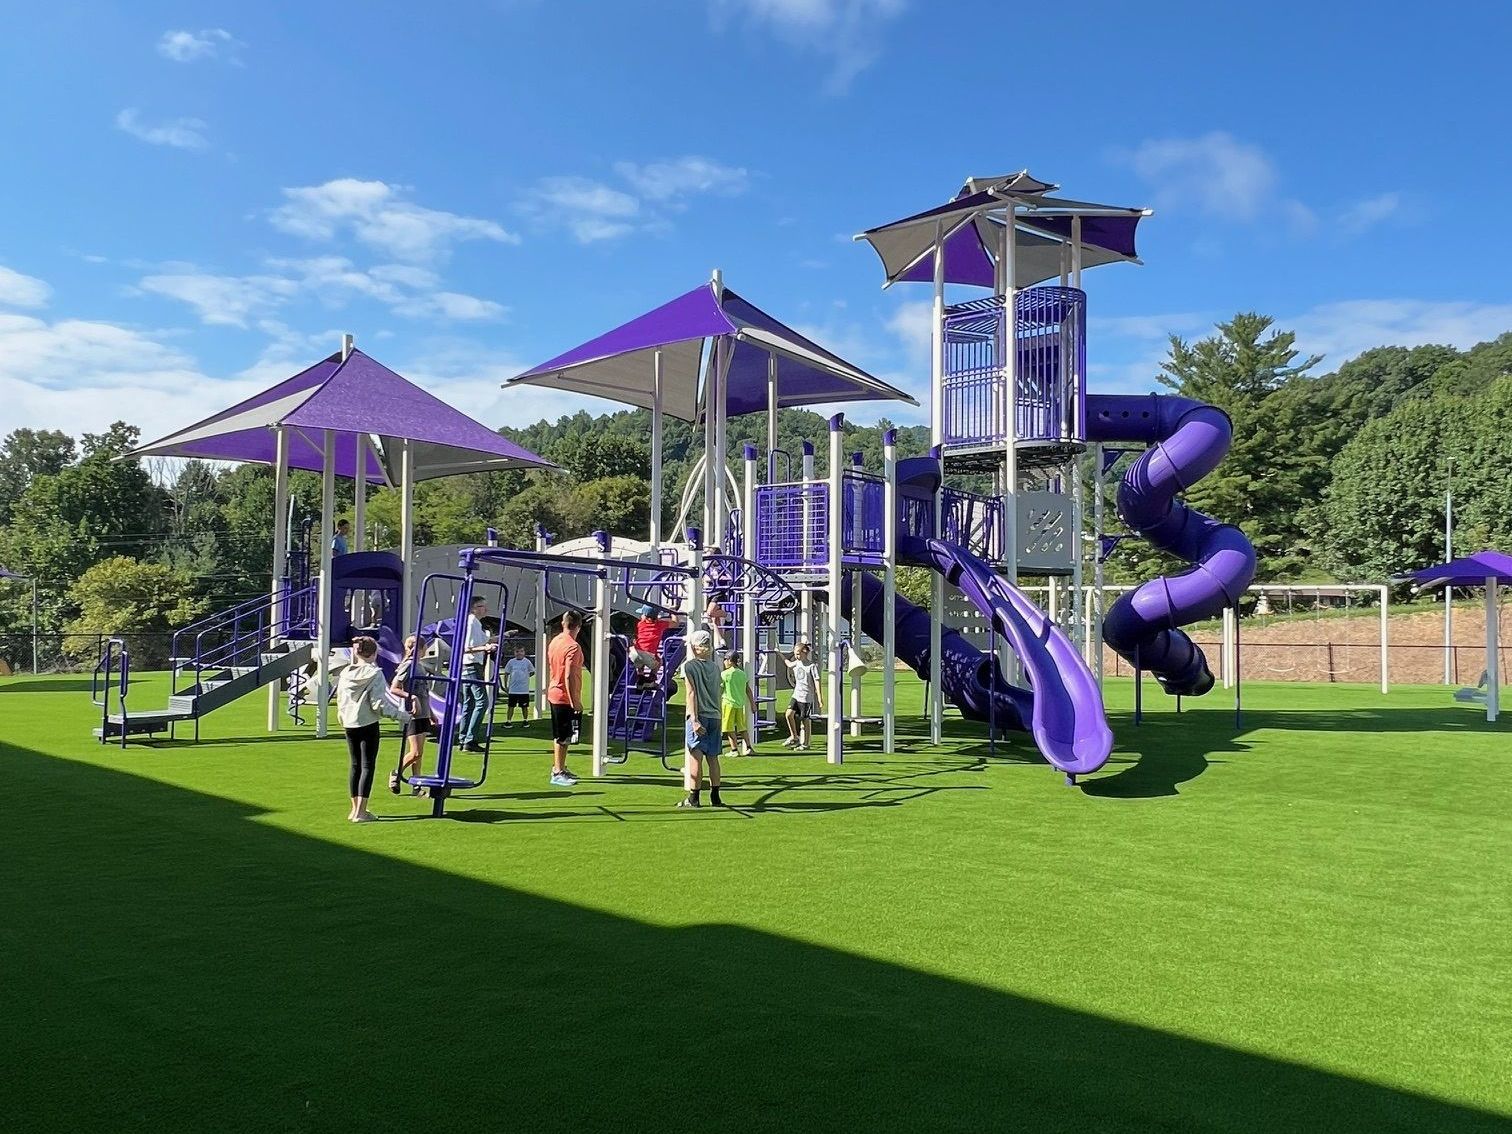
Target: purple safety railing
x=973, y=522
x=792, y=528
x=237, y=637
x=1051, y=368
x=863, y=524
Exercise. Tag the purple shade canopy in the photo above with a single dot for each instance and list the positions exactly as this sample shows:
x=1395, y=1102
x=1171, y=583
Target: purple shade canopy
x=1467, y=571
x=973, y=225
x=353, y=399
x=621, y=364
x=4, y=574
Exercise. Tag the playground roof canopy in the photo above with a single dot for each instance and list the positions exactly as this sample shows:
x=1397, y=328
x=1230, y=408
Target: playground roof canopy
x=1467, y=571
x=352, y=398
x=972, y=225
x=4, y=574
x=620, y=364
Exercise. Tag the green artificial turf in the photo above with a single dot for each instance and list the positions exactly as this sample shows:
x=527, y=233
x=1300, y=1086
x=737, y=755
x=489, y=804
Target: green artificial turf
x=1302, y=924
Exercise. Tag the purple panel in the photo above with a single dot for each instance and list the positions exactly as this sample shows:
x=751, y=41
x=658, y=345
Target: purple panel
x=258, y=447
x=364, y=396
x=1116, y=234
x=694, y=315
x=966, y=261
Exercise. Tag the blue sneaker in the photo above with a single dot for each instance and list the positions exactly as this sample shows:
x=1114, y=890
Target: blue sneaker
x=563, y=779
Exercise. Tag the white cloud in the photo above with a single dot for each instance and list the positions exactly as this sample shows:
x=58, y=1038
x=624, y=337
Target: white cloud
x=1369, y=212
x=470, y=377
x=208, y=43
x=912, y=322
x=1216, y=172
x=378, y=215
x=81, y=375
x=1159, y=327
x=589, y=210
x=17, y=290
x=847, y=34
x=406, y=289
x=670, y=180
x=182, y=133
x=228, y=301
x=1339, y=331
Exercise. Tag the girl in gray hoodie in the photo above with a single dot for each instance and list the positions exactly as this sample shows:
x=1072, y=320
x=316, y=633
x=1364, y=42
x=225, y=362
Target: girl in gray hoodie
x=362, y=698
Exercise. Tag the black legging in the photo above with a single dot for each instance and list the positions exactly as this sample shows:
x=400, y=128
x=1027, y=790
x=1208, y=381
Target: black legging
x=362, y=745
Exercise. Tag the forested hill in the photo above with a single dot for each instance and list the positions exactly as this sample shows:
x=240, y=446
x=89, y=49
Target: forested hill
x=1338, y=475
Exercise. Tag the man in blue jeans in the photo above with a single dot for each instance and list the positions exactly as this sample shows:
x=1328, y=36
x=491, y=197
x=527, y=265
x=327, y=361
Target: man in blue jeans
x=475, y=650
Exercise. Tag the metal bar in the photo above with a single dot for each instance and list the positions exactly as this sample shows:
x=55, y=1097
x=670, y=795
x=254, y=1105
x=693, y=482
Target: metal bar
x=834, y=734
x=407, y=527
x=540, y=621
x=1385, y=619
x=656, y=452
x=601, y=609
x=359, y=495
x=889, y=593
x=748, y=603
x=280, y=551
x=323, y=603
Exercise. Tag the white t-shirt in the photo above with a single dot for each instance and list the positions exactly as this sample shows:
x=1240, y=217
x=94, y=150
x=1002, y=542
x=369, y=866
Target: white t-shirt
x=474, y=637
x=518, y=672
x=805, y=677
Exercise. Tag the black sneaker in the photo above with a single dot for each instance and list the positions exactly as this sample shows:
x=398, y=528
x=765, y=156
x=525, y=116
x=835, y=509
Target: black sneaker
x=714, y=798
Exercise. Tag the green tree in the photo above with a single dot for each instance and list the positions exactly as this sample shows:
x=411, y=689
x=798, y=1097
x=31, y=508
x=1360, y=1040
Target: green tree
x=26, y=454
x=142, y=602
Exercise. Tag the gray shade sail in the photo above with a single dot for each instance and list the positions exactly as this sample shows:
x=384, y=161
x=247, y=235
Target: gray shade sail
x=972, y=224
x=352, y=398
x=620, y=365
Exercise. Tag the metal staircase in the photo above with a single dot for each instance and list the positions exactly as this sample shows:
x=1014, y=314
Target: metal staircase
x=217, y=660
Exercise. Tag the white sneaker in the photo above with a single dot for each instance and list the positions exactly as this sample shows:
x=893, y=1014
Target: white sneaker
x=790, y=743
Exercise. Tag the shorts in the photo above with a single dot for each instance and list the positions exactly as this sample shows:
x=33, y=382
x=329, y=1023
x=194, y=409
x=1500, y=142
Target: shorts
x=801, y=710
x=733, y=718
x=519, y=700
x=419, y=726
x=709, y=743
x=562, y=719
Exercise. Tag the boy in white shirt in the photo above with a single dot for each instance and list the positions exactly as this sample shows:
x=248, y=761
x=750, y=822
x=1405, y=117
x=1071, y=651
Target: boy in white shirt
x=518, y=671
x=806, y=697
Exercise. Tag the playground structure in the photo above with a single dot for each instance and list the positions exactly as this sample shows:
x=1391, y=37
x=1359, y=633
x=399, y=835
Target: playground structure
x=787, y=551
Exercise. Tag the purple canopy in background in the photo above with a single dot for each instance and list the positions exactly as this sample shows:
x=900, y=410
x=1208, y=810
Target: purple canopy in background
x=1467, y=571
x=620, y=364
x=355, y=398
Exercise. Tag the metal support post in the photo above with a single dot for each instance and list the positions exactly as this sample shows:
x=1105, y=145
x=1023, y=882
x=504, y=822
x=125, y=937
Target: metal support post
x=323, y=602
x=889, y=590
x=278, y=614
x=835, y=732
x=656, y=454
x=601, y=610
x=541, y=645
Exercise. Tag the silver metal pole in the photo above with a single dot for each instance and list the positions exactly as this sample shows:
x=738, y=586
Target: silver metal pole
x=34, y=625
x=771, y=419
x=656, y=453
x=540, y=636
x=1097, y=561
x=1449, y=591
x=806, y=596
x=1385, y=651
x=936, y=706
x=1007, y=268
x=407, y=528
x=889, y=590
x=359, y=494
x=601, y=608
x=1493, y=648
x=280, y=554
x=835, y=711
x=748, y=539
x=323, y=603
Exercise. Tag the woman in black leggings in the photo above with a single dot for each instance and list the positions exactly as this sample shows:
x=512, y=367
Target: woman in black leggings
x=362, y=699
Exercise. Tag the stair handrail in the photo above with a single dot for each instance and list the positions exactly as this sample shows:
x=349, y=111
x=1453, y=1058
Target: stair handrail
x=99, y=693
x=244, y=644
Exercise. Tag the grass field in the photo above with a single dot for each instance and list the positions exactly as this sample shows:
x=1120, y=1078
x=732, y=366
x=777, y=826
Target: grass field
x=1301, y=925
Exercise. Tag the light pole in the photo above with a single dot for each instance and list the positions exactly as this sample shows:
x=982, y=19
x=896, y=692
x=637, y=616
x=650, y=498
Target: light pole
x=1448, y=557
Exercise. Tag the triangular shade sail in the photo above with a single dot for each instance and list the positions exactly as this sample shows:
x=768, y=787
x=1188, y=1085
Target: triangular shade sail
x=1467, y=571
x=353, y=398
x=972, y=225
x=621, y=364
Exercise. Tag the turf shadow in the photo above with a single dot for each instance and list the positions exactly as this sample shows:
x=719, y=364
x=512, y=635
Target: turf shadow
x=172, y=964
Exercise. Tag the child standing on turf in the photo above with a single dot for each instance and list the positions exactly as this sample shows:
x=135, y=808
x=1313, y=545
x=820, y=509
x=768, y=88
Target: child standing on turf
x=517, y=674
x=411, y=673
x=362, y=698
x=806, y=697
x=701, y=695
x=736, y=700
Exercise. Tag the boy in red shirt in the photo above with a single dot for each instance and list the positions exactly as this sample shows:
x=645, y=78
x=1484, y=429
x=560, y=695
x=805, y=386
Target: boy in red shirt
x=564, y=693
x=649, y=631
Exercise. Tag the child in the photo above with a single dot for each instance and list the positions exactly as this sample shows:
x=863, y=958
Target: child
x=701, y=694
x=806, y=697
x=517, y=674
x=361, y=699
x=410, y=683
x=737, y=698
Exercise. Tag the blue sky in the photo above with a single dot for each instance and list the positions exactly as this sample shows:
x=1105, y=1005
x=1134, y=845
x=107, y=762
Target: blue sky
x=198, y=198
